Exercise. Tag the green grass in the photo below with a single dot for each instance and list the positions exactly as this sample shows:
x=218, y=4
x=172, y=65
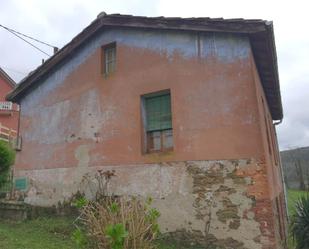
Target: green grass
x=43, y=233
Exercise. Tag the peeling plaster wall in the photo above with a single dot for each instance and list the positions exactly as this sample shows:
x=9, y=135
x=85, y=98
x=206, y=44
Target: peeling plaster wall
x=209, y=202
x=272, y=162
x=78, y=121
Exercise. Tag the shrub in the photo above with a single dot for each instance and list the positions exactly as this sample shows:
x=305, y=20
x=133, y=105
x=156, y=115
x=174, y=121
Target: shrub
x=119, y=223
x=111, y=222
x=7, y=157
x=300, y=223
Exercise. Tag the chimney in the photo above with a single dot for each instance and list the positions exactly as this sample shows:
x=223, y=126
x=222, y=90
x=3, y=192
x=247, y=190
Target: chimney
x=101, y=14
x=56, y=50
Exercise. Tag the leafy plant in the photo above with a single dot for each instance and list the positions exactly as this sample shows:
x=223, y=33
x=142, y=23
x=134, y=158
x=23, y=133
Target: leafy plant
x=116, y=234
x=114, y=208
x=300, y=223
x=7, y=158
x=79, y=238
x=80, y=202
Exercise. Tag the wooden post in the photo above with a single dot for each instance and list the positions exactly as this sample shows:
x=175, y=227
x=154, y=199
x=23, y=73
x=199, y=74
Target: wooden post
x=10, y=136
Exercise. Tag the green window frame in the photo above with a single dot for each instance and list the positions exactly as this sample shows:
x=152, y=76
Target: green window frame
x=158, y=112
x=158, y=121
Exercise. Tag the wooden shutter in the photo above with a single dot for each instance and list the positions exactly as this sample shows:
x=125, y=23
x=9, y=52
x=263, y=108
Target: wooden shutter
x=158, y=112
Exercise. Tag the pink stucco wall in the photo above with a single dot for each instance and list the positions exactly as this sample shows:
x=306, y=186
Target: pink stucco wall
x=79, y=120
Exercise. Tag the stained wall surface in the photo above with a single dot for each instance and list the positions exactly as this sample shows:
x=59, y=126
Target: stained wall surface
x=78, y=121
x=214, y=107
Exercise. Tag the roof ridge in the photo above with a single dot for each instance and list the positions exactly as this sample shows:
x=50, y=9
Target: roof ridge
x=180, y=18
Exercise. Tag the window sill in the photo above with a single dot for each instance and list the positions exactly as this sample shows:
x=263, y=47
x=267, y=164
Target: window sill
x=108, y=76
x=158, y=156
x=6, y=112
x=160, y=151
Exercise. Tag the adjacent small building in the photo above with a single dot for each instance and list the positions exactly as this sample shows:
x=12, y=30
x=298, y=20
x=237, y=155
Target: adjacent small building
x=9, y=112
x=181, y=109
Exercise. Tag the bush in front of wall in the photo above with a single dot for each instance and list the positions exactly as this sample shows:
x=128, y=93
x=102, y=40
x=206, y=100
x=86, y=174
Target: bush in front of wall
x=116, y=223
x=110, y=222
x=7, y=157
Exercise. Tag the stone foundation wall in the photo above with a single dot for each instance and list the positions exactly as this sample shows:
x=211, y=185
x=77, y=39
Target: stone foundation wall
x=220, y=204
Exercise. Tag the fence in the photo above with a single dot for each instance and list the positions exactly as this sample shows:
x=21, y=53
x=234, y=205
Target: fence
x=7, y=187
x=6, y=105
x=7, y=134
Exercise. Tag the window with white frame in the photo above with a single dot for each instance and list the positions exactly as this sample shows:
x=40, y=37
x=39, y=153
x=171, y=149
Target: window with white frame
x=109, y=59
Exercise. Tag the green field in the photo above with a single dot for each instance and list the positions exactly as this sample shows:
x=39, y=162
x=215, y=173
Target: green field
x=55, y=233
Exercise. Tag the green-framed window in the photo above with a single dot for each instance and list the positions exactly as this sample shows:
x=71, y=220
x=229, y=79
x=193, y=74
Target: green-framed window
x=158, y=112
x=158, y=121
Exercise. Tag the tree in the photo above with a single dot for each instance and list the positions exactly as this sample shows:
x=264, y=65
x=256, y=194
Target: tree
x=298, y=161
x=7, y=158
x=300, y=174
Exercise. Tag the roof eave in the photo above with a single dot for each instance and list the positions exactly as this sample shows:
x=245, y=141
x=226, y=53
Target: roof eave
x=264, y=51
x=277, y=114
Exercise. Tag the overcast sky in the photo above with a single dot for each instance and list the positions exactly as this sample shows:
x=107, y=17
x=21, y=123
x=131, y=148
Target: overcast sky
x=57, y=22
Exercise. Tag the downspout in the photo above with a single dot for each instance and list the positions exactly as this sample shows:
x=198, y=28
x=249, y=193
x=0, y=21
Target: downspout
x=278, y=122
x=283, y=179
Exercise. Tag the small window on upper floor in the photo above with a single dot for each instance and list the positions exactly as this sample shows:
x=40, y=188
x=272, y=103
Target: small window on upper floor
x=158, y=122
x=109, y=59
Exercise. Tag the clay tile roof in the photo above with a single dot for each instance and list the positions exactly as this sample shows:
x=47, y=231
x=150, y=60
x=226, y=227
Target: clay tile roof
x=260, y=33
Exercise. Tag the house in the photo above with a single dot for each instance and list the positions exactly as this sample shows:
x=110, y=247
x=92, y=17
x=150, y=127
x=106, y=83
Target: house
x=9, y=112
x=182, y=109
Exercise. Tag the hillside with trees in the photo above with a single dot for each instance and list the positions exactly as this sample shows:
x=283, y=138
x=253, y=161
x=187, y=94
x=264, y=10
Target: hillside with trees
x=295, y=163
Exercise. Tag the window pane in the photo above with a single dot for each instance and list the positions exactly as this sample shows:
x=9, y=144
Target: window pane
x=110, y=54
x=154, y=141
x=109, y=60
x=110, y=67
x=167, y=139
